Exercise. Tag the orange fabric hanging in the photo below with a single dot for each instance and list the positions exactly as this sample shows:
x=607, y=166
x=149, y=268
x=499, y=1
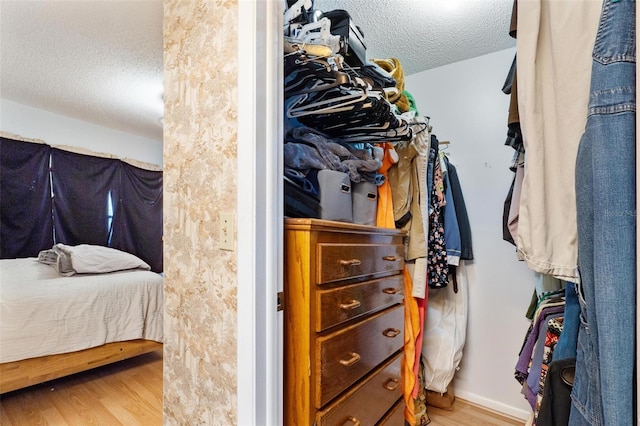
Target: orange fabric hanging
x=411, y=329
x=421, y=305
x=384, y=215
x=385, y=219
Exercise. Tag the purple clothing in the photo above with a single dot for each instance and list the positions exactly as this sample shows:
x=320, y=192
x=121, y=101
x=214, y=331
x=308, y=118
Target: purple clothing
x=522, y=366
x=533, y=379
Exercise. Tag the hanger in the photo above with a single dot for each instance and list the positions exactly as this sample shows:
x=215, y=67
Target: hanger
x=293, y=46
x=336, y=104
x=294, y=12
x=423, y=126
x=299, y=85
x=386, y=61
x=318, y=33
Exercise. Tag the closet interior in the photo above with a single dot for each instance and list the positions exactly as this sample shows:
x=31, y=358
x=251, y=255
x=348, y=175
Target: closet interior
x=424, y=260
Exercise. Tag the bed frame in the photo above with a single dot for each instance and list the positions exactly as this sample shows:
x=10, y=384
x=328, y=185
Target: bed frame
x=28, y=372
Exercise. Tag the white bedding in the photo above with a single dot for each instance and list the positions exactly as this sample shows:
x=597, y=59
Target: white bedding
x=43, y=313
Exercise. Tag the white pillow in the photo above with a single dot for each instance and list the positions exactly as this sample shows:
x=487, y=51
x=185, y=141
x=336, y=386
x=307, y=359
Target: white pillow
x=91, y=259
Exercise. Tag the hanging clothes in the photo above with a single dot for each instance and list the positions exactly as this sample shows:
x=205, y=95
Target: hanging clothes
x=513, y=216
x=453, y=242
x=554, y=329
x=438, y=271
x=384, y=213
x=411, y=329
x=445, y=332
x=554, y=70
x=408, y=184
x=466, y=250
x=394, y=68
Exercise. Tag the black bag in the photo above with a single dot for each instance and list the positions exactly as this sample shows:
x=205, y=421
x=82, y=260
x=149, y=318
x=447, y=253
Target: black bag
x=298, y=202
x=353, y=48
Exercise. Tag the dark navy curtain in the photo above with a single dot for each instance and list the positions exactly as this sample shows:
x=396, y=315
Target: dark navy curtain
x=81, y=187
x=31, y=219
x=137, y=221
x=26, y=226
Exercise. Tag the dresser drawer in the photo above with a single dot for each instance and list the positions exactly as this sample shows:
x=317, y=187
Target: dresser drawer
x=341, y=304
x=343, y=357
x=395, y=417
x=341, y=261
x=369, y=402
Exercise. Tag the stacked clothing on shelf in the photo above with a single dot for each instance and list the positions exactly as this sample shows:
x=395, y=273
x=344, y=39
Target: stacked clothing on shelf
x=343, y=110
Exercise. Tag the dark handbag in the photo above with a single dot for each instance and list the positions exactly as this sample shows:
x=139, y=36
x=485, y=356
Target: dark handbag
x=299, y=202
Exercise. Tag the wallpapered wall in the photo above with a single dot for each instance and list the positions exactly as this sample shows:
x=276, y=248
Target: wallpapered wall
x=200, y=138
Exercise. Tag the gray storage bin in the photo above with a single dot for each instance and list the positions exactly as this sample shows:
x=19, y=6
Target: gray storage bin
x=364, y=199
x=335, y=196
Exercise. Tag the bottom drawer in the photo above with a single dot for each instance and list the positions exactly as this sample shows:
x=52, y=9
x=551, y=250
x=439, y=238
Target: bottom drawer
x=366, y=404
x=395, y=416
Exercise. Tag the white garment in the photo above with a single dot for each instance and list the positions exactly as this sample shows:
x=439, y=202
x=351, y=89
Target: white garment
x=445, y=332
x=554, y=44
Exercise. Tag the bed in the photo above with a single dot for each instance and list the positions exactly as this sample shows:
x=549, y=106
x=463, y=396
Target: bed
x=53, y=325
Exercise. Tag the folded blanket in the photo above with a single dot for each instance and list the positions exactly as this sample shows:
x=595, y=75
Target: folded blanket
x=89, y=259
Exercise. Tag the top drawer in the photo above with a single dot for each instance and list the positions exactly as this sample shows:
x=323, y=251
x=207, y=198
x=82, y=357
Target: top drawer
x=342, y=261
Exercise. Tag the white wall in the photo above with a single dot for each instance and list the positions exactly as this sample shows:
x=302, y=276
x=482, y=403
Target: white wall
x=468, y=108
x=55, y=129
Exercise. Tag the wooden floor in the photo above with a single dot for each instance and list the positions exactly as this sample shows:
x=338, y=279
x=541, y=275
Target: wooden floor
x=125, y=393
x=130, y=393
x=466, y=414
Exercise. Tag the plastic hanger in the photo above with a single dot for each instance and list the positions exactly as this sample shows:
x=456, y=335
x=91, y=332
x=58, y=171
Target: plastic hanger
x=324, y=106
x=295, y=12
x=317, y=33
x=310, y=82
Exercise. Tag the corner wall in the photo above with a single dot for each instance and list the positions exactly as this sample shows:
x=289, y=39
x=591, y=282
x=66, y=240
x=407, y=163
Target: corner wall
x=200, y=182
x=56, y=129
x=468, y=108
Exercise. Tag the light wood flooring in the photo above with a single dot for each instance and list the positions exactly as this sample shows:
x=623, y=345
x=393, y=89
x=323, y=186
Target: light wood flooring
x=125, y=393
x=467, y=414
x=130, y=393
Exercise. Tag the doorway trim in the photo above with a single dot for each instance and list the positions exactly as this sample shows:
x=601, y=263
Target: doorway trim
x=260, y=212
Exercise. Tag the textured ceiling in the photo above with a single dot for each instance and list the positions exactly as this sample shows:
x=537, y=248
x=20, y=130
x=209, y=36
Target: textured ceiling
x=101, y=60
x=425, y=34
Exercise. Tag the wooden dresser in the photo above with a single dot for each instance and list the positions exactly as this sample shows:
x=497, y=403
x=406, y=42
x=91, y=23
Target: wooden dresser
x=344, y=324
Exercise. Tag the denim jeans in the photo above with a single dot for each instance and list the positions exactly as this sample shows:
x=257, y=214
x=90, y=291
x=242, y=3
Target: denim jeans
x=568, y=343
x=603, y=392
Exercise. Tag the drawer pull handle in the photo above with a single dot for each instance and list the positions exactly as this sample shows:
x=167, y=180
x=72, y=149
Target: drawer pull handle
x=391, y=332
x=351, y=305
x=349, y=362
x=390, y=290
x=391, y=384
x=353, y=420
x=350, y=262
x=390, y=258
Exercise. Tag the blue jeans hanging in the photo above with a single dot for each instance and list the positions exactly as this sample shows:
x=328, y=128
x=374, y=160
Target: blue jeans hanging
x=603, y=392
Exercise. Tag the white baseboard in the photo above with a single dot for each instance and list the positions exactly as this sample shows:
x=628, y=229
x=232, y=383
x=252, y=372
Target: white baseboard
x=490, y=404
